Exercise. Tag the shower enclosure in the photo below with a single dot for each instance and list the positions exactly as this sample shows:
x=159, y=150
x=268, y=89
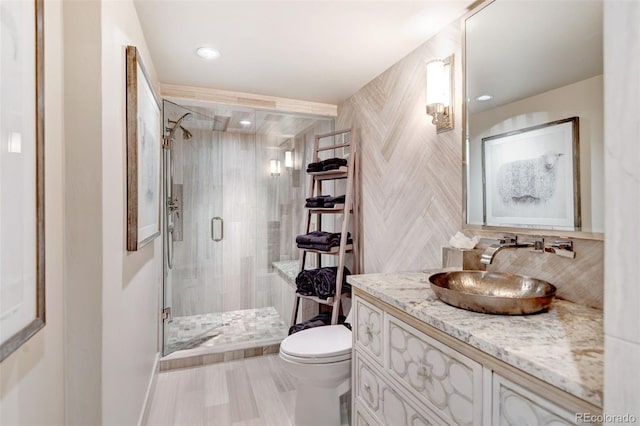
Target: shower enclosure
x=227, y=217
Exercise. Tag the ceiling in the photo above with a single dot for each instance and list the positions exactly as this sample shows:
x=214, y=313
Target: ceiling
x=321, y=51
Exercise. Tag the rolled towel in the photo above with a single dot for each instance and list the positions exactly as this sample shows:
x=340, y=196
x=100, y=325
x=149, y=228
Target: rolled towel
x=324, y=282
x=304, y=282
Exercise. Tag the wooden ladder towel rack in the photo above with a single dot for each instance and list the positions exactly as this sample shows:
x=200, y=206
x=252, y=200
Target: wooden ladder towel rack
x=347, y=139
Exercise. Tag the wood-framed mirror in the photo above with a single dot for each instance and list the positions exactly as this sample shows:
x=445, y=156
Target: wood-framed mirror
x=22, y=251
x=529, y=65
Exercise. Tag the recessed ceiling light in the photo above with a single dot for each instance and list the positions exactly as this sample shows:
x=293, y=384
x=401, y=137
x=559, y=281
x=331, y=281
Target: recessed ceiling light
x=207, y=53
x=245, y=122
x=484, y=97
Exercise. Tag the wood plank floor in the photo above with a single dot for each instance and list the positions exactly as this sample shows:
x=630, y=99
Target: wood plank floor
x=252, y=391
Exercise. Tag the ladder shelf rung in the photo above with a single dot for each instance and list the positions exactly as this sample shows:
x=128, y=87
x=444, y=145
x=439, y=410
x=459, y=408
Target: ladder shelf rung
x=340, y=173
x=328, y=301
x=320, y=210
x=334, y=250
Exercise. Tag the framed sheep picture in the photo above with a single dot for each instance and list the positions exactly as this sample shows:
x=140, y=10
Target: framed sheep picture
x=531, y=177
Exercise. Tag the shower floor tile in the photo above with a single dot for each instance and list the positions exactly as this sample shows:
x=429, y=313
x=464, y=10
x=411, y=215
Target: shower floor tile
x=224, y=331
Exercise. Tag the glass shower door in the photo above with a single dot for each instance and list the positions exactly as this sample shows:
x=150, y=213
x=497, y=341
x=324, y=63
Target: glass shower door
x=194, y=227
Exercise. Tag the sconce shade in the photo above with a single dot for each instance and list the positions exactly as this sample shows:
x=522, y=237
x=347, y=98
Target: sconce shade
x=274, y=167
x=288, y=159
x=437, y=83
x=439, y=93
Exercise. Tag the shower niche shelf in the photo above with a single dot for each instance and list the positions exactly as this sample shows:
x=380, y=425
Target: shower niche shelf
x=346, y=139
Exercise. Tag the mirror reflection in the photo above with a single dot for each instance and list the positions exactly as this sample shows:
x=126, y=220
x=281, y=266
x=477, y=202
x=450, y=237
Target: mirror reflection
x=534, y=116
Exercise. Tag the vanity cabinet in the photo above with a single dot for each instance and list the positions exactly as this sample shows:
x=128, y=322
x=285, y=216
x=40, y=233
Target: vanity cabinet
x=407, y=373
x=514, y=405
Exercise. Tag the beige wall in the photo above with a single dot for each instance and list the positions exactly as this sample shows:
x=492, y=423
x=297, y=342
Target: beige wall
x=32, y=378
x=622, y=180
x=131, y=281
x=112, y=306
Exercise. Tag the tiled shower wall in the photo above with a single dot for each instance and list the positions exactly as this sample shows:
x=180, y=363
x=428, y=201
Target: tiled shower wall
x=227, y=175
x=411, y=179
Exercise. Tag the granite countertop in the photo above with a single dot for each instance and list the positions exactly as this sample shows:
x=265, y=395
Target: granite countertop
x=563, y=347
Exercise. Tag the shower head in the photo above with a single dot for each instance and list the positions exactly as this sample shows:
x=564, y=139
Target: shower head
x=185, y=133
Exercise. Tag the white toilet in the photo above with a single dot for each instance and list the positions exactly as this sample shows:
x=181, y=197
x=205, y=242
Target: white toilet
x=320, y=358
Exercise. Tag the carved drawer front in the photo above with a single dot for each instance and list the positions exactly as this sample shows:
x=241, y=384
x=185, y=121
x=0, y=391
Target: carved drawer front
x=362, y=417
x=388, y=406
x=447, y=382
x=368, y=330
x=513, y=405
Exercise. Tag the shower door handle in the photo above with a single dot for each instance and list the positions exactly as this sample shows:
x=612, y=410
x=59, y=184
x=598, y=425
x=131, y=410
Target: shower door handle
x=217, y=232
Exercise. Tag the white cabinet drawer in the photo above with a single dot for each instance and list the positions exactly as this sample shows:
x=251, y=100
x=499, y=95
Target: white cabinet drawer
x=389, y=406
x=368, y=329
x=514, y=405
x=447, y=382
x=362, y=416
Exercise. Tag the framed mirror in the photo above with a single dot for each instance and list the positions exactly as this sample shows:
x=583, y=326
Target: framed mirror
x=529, y=66
x=22, y=250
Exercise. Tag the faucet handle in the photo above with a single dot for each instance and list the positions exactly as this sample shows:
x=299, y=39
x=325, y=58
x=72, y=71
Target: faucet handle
x=508, y=240
x=562, y=248
x=535, y=244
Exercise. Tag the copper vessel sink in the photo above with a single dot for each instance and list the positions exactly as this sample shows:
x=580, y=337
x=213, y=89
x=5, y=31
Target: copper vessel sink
x=493, y=292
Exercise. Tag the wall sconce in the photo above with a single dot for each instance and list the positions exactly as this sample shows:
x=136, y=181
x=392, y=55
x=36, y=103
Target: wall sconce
x=15, y=143
x=288, y=160
x=274, y=167
x=440, y=93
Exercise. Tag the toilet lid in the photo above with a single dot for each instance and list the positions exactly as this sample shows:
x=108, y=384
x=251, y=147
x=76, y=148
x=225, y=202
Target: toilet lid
x=331, y=343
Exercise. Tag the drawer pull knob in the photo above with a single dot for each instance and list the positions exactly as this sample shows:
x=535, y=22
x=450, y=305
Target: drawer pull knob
x=425, y=371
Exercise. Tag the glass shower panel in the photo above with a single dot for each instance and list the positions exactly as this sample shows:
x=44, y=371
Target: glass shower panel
x=194, y=237
x=229, y=218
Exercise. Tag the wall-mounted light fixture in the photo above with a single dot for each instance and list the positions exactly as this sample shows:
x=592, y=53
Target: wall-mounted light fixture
x=274, y=167
x=440, y=93
x=15, y=143
x=288, y=160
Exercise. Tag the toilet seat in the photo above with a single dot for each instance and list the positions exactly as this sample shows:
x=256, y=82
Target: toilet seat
x=319, y=345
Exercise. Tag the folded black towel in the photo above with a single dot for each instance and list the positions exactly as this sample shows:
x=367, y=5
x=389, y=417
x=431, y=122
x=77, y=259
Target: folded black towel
x=332, y=161
x=319, y=247
x=320, y=237
x=317, y=321
x=326, y=165
x=320, y=198
x=304, y=282
x=324, y=282
x=317, y=201
x=332, y=201
x=314, y=167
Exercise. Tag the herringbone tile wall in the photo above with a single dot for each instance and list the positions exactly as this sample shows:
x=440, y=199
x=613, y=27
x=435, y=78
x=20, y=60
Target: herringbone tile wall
x=410, y=178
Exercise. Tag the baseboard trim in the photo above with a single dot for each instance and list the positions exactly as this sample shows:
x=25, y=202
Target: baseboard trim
x=151, y=389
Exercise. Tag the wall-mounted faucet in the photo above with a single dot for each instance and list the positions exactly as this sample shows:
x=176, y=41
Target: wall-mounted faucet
x=510, y=241
x=562, y=248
